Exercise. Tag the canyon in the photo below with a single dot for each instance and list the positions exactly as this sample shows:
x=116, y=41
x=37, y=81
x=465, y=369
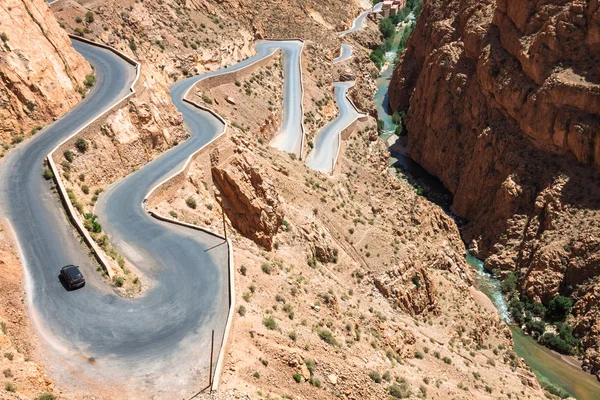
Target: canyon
x=349, y=284
x=501, y=104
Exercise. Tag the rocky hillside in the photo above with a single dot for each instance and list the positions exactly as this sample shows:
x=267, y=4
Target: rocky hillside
x=502, y=100
x=40, y=73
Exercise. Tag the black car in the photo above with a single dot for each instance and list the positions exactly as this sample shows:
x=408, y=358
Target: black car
x=72, y=276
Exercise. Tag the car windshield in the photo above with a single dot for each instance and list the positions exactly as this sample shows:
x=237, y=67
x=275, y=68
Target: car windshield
x=74, y=273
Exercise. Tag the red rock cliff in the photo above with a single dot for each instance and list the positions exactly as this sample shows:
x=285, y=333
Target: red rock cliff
x=503, y=102
x=39, y=70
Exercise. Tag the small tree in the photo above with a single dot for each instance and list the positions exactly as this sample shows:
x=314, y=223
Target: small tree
x=558, y=308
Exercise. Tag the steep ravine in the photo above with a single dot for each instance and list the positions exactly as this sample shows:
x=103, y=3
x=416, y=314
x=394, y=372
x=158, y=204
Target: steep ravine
x=501, y=99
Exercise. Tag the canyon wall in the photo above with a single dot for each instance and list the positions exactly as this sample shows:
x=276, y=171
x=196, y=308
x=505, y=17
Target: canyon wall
x=39, y=70
x=503, y=105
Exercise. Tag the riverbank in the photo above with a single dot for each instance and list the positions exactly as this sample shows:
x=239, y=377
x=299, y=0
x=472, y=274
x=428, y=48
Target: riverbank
x=545, y=363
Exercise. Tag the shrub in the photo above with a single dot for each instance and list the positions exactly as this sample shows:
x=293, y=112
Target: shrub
x=191, y=202
x=36, y=129
x=327, y=337
x=310, y=364
x=292, y=335
x=316, y=382
x=3, y=327
x=375, y=376
x=242, y=310
x=82, y=145
x=509, y=284
x=90, y=80
x=132, y=45
x=400, y=390
x=89, y=17
x=68, y=155
x=9, y=356
x=264, y=362
x=447, y=360
x=17, y=139
x=85, y=189
x=118, y=281
x=243, y=270
x=10, y=387
x=173, y=213
x=46, y=396
x=206, y=99
x=419, y=355
x=78, y=19
x=270, y=323
x=266, y=268
x=4, y=37
x=256, y=375
x=48, y=174
x=297, y=377
x=7, y=373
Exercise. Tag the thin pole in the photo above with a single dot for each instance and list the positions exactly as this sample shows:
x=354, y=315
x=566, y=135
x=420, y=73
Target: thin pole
x=212, y=345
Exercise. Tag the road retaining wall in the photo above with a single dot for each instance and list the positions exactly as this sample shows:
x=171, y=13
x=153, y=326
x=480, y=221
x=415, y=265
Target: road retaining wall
x=73, y=215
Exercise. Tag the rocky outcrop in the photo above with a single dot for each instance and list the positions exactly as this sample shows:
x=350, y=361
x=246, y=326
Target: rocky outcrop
x=502, y=101
x=250, y=202
x=411, y=289
x=39, y=70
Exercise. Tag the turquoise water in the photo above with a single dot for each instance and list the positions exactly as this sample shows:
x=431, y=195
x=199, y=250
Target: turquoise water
x=547, y=365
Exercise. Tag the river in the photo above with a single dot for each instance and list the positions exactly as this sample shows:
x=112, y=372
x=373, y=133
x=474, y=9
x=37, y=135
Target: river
x=547, y=365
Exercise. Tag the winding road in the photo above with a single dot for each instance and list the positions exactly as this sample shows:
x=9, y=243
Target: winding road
x=327, y=142
x=157, y=343
x=164, y=335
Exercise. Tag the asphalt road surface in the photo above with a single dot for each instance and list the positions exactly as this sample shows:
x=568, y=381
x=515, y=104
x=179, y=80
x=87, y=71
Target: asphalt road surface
x=345, y=54
x=358, y=23
x=161, y=337
x=327, y=141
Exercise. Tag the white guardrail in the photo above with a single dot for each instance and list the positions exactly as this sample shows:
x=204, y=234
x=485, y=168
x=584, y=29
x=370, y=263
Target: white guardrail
x=102, y=260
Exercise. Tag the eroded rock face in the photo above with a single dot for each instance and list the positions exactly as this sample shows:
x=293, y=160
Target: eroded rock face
x=39, y=70
x=410, y=288
x=251, y=203
x=503, y=105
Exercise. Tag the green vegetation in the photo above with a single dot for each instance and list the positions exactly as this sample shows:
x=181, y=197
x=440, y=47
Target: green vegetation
x=89, y=17
x=559, y=308
x=400, y=390
x=297, y=377
x=89, y=81
x=266, y=268
x=375, y=376
x=555, y=390
x=535, y=316
x=132, y=45
x=48, y=174
x=91, y=224
x=328, y=337
x=241, y=310
x=46, y=396
x=270, y=323
x=36, y=129
x=191, y=202
x=4, y=37
x=82, y=145
x=10, y=387
x=119, y=281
